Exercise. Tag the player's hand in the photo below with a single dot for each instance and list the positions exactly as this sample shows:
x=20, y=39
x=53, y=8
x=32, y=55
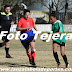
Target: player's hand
x=0, y=26
x=27, y=28
x=12, y=23
x=39, y=35
x=53, y=34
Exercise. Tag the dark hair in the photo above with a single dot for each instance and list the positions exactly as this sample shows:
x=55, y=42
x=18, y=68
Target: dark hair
x=53, y=14
x=26, y=10
x=6, y=6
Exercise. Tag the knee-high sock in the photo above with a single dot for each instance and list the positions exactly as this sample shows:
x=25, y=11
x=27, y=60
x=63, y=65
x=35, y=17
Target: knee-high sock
x=1, y=44
x=29, y=55
x=65, y=59
x=56, y=57
x=7, y=50
x=33, y=52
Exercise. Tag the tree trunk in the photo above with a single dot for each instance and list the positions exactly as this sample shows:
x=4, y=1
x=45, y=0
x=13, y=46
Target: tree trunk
x=66, y=21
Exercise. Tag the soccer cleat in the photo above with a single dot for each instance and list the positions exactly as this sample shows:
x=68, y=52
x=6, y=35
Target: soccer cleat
x=67, y=66
x=30, y=60
x=8, y=56
x=59, y=65
x=33, y=63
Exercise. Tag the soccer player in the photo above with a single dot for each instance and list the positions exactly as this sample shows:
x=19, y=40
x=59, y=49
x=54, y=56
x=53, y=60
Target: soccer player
x=25, y=25
x=5, y=24
x=57, y=27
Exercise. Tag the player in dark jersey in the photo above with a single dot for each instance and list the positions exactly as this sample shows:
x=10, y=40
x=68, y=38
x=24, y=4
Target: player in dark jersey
x=5, y=24
x=25, y=25
x=57, y=27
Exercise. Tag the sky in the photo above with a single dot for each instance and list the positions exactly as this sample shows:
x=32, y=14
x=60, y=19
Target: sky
x=40, y=7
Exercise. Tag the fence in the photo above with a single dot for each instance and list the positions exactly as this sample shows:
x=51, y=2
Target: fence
x=45, y=28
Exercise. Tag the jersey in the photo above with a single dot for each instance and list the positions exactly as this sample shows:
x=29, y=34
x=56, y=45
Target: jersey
x=58, y=27
x=5, y=21
x=23, y=23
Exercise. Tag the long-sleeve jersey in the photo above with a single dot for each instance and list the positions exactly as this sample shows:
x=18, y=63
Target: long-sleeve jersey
x=5, y=21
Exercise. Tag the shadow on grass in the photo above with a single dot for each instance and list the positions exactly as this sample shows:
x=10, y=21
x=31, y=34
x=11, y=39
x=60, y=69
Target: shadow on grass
x=16, y=65
x=21, y=65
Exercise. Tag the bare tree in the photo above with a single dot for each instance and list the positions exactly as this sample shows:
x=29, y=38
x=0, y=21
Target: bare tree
x=10, y=2
x=68, y=8
x=56, y=5
x=66, y=12
x=1, y=1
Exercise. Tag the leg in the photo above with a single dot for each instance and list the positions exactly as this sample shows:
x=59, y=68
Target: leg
x=63, y=55
x=33, y=51
x=2, y=44
x=28, y=50
x=55, y=45
x=7, y=46
x=4, y=38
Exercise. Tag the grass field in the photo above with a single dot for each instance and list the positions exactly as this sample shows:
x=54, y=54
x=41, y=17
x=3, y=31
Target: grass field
x=44, y=56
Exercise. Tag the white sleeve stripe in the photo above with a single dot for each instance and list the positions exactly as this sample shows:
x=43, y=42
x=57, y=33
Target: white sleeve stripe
x=60, y=30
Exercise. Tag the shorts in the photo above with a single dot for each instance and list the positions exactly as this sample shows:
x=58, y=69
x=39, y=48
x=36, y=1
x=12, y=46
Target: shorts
x=4, y=38
x=61, y=44
x=26, y=43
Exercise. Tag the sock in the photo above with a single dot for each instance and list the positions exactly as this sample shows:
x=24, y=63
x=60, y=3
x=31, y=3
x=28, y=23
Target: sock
x=33, y=52
x=65, y=59
x=29, y=55
x=56, y=57
x=1, y=44
x=7, y=50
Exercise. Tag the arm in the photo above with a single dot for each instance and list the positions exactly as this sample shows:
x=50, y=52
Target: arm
x=60, y=25
x=57, y=32
x=21, y=29
x=12, y=23
x=34, y=26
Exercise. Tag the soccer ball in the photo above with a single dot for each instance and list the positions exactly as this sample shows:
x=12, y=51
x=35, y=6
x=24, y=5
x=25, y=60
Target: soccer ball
x=44, y=37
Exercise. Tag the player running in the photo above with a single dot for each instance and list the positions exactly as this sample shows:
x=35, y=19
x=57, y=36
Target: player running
x=25, y=25
x=5, y=24
x=57, y=27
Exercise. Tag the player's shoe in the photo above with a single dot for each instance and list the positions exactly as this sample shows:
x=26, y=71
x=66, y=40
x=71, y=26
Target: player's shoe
x=8, y=56
x=33, y=63
x=59, y=65
x=30, y=60
x=67, y=66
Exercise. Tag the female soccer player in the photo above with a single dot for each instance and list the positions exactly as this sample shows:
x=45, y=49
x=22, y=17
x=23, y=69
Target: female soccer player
x=25, y=25
x=57, y=27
